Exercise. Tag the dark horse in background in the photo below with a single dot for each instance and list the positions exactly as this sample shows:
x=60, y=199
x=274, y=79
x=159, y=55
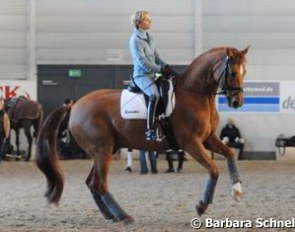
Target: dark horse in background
x=24, y=113
x=99, y=129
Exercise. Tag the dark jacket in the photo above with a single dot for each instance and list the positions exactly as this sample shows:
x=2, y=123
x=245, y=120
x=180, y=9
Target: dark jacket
x=231, y=132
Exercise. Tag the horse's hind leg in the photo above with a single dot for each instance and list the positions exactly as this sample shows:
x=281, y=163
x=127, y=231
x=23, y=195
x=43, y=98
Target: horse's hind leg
x=36, y=124
x=180, y=160
x=98, y=185
x=30, y=141
x=97, y=198
x=214, y=144
x=18, y=155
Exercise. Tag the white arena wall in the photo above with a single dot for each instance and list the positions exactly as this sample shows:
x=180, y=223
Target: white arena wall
x=36, y=32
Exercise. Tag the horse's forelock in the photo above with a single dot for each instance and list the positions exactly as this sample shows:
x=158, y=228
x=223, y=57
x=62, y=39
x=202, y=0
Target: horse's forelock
x=237, y=56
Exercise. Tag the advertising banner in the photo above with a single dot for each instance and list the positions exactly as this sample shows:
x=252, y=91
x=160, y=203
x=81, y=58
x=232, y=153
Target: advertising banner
x=9, y=89
x=264, y=97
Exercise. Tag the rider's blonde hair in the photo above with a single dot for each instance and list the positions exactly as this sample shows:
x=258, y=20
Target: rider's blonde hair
x=137, y=17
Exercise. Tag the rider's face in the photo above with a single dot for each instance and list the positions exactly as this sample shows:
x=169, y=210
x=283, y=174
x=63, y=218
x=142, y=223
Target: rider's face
x=146, y=22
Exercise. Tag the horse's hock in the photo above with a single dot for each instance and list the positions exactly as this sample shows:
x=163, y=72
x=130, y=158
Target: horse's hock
x=217, y=156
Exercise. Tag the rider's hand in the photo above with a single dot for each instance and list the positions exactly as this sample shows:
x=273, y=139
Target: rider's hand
x=168, y=71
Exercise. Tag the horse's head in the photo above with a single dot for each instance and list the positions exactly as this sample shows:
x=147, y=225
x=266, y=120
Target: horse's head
x=7, y=104
x=10, y=102
x=232, y=76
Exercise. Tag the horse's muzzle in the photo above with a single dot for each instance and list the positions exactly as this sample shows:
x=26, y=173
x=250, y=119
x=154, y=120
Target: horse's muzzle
x=235, y=104
x=235, y=101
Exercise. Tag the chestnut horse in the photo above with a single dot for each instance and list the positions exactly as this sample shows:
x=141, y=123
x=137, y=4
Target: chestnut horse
x=99, y=129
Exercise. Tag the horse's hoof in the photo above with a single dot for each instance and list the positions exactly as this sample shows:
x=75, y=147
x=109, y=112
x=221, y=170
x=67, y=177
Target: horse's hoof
x=109, y=217
x=201, y=208
x=237, y=196
x=236, y=192
x=128, y=220
x=116, y=219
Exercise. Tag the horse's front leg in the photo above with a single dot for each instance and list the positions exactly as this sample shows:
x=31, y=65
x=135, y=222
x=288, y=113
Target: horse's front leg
x=215, y=144
x=199, y=153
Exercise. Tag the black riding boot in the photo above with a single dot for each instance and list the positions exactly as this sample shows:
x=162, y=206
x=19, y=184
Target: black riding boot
x=170, y=162
x=151, y=132
x=180, y=160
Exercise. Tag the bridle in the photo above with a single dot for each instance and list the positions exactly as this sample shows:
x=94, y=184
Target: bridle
x=227, y=73
x=226, y=89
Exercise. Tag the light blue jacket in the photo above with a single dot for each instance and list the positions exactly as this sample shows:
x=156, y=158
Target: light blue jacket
x=146, y=59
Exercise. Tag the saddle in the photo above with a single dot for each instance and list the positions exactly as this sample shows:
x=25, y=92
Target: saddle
x=134, y=105
x=134, y=102
x=20, y=108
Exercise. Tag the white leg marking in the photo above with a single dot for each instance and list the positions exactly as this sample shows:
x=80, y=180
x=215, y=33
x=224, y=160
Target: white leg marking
x=236, y=191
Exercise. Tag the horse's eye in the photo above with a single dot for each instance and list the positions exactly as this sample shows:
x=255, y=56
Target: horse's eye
x=234, y=75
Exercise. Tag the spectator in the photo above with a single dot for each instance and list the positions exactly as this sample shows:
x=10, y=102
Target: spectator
x=68, y=102
x=4, y=132
x=129, y=160
x=67, y=146
x=169, y=159
x=143, y=164
x=230, y=135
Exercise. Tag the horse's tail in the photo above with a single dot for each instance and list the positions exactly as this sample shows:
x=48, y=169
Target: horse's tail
x=46, y=155
x=39, y=121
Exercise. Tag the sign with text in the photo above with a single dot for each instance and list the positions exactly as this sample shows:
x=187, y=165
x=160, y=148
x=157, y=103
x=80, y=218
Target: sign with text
x=74, y=73
x=287, y=96
x=264, y=97
x=9, y=89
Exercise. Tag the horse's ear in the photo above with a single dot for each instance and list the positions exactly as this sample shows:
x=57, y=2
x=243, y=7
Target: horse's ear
x=244, y=52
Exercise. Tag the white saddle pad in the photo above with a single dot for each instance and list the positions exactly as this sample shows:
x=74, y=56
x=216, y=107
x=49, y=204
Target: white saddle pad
x=133, y=105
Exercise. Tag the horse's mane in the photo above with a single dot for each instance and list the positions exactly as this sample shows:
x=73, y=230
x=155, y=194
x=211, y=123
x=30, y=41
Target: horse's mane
x=211, y=54
x=202, y=57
